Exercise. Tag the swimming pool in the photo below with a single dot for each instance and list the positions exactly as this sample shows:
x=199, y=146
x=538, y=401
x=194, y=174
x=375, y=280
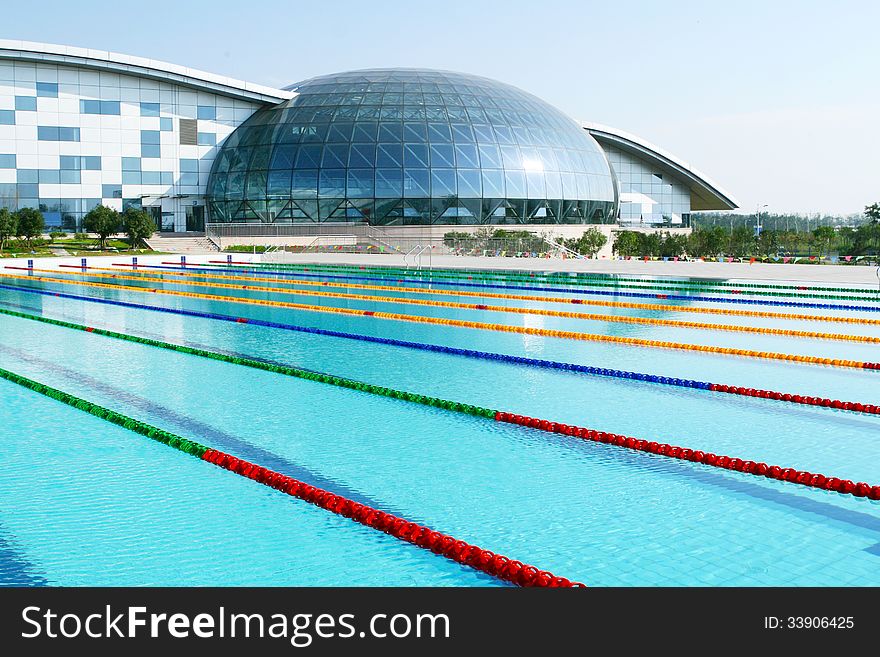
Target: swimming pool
x=124, y=510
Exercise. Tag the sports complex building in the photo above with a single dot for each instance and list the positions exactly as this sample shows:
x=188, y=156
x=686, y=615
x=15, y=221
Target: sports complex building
x=387, y=147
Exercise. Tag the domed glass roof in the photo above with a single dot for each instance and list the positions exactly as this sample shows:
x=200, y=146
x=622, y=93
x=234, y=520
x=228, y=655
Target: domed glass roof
x=405, y=146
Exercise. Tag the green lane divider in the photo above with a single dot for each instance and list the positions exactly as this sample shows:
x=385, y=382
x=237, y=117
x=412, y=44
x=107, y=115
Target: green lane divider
x=154, y=433
x=583, y=280
x=309, y=375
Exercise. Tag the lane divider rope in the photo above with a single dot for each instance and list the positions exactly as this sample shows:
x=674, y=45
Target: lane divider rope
x=521, y=330
x=848, y=487
x=617, y=293
x=544, y=274
x=622, y=282
x=202, y=273
x=807, y=400
x=424, y=537
x=618, y=319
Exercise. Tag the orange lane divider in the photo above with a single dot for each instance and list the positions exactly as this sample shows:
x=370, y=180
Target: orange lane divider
x=498, y=309
x=515, y=297
x=418, y=319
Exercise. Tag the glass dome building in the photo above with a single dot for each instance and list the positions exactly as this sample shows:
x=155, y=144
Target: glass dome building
x=410, y=146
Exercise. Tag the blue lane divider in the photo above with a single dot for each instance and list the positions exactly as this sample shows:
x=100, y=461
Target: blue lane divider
x=467, y=353
x=535, y=288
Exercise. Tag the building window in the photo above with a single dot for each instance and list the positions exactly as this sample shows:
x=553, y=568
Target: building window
x=80, y=162
x=207, y=112
x=166, y=124
x=99, y=107
x=207, y=139
x=26, y=103
x=7, y=161
x=70, y=177
x=150, y=150
x=111, y=191
x=56, y=133
x=7, y=117
x=131, y=164
x=47, y=89
x=149, y=109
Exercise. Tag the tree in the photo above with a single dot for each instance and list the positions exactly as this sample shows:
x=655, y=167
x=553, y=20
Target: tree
x=588, y=244
x=102, y=221
x=30, y=224
x=873, y=211
x=824, y=237
x=8, y=226
x=138, y=226
x=626, y=243
x=673, y=246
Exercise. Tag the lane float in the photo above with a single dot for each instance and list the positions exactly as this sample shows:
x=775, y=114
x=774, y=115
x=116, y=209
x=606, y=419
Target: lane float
x=189, y=272
x=581, y=279
x=792, y=475
x=620, y=319
x=521, y=330
x=616, y=293
x=806, y=400
x=493, y=564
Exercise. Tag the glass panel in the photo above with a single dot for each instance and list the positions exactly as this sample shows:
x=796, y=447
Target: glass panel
x=493, y=183
x=443, y=182
x=305, y=183
x=360, y=183
x=332, y=183
x=389, y=183
x=416, y=182
x=415, y=155
x=389, y=155
x=442, y=155
x=362, y=155
x=469, y=183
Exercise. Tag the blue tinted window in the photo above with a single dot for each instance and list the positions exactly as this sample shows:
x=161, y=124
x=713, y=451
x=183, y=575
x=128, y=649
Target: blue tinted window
x=91, y=162
x=189, y=165
x=332, y=183
x=99, y=107
x=151, y=178
x=389, y=183
x=111, y=191
x=360, y=183
x=26, y=103
x=167, y=177
x=149, y=109
x=150, y=136
x=70, y=162
x=70, y=177
x=28, y=175
x=469, y=183
x=7, y=161
x=166, y=124
x=47, y=89
x=28, y=190
x=150, y=150
x=442, y=182
x=131, y=177
x=7, y=117
x=206, y=112
x=305, y=183
x=207, y=139
x=416, y=183
x=193, y=178
x=68, y=134
x=50, y=176
x=131, y=164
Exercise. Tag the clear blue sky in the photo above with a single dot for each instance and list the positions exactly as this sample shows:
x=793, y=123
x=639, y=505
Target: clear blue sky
x=778, y=101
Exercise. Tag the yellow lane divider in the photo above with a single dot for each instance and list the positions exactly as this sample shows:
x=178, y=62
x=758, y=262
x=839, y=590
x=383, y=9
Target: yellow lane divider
x=522, y=297
x=523, y=330
x=501, y=309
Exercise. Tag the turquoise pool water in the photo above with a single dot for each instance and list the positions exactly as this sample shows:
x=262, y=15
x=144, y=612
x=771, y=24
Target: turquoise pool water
x=127, y=511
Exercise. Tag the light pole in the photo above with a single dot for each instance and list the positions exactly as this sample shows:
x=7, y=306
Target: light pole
x=758, y=224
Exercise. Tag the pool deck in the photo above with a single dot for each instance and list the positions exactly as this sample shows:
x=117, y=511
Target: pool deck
x=861, y=275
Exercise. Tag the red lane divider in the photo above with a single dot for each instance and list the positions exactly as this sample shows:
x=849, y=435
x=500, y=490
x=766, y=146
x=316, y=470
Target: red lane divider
x=796, y=399
x=845, y=486
x=461, y=552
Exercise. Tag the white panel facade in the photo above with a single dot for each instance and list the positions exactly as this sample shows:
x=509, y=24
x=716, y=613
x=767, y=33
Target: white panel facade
x=73, y=138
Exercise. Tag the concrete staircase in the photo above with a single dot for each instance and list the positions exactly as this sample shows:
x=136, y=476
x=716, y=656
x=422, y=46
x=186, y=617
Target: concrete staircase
x=181, y=243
